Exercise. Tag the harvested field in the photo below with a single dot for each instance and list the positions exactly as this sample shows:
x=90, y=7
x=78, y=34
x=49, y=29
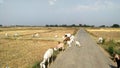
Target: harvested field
x=24, y=50
x=107, y=33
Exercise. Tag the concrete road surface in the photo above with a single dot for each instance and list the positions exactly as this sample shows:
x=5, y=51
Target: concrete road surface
x=87, y=56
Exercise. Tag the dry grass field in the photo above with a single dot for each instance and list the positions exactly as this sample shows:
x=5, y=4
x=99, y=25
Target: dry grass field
x=24, y=50
x=107, y=33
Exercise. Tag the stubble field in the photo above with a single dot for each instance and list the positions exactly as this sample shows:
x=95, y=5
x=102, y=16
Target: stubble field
x=24, y=50
x=107, y=33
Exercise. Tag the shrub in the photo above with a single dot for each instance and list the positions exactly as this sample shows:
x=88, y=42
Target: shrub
x=112, y=47
x=111, y=50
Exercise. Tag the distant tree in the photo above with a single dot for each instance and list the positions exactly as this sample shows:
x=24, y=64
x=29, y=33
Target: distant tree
x=102, y=26
x=56, y=25
x=92, y=25
x=73, y=25
x=80, y=25
x=47, y=25
x=115, y=25
x=64, y=25
x=84, y=25
x=1, y=25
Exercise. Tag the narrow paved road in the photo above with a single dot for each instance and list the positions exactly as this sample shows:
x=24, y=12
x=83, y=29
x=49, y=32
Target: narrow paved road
x=87, y=56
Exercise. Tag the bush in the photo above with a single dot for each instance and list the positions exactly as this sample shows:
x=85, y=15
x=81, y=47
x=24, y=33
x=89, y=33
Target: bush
x=111, y=50
x=112, y=47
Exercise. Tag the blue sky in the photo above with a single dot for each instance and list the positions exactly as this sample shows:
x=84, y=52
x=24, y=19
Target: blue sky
x=42, y=12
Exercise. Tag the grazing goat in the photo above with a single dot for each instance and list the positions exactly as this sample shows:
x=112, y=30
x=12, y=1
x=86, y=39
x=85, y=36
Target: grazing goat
x=35, y=35
x=46, y=58
x=16, y=35
x=100, y=40
x=6, y=34
x=60, y=46
x=56, y=36
x=117, y=59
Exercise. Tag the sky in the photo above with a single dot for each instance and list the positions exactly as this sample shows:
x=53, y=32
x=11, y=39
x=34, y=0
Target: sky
x=42, y=12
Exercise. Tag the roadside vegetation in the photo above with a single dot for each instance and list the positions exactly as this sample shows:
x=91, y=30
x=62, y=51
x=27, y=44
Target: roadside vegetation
x=111, y=36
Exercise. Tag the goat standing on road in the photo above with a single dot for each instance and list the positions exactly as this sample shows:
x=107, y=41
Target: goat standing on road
x=69, y=39
x=77, y=43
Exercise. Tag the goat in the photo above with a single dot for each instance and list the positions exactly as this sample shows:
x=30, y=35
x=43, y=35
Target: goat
x=77, y=43
x=72, y=38
x=59, y=46
x=46, y=58
x=69, y=40
x=6, y=34
x=56, y=36
x=35, y=35
x=100, y=40
x=16, y=35
x=117, y=59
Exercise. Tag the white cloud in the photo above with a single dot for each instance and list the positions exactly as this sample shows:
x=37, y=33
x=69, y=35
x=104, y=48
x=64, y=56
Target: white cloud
x=96, y=6
x=52, y=2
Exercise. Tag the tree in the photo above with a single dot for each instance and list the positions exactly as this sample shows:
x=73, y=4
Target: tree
x=115, y=25
x=0, y=25
x=73, y=25
x=102, y=26
x=80, y=25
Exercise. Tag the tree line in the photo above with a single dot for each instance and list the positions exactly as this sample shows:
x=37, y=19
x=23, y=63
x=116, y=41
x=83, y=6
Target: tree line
x=73, y=25
x=65, y=25
x=82, y=25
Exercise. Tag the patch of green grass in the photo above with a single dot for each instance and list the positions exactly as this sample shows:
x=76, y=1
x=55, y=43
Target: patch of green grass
x=111, y=47
x=36, y=65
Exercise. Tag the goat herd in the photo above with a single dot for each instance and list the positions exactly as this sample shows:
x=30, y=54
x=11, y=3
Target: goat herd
x=68, y=39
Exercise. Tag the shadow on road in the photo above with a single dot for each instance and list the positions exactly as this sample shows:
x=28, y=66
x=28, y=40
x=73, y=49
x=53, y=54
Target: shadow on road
x=111, y=66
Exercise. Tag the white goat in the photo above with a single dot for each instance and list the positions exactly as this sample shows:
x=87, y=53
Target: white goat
x=72, y=38
x=6, y=34
x=46, y=58
x=16, y=35
x=35, y=35
x=56, y=36
x=77, y=43
x=100, y=40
